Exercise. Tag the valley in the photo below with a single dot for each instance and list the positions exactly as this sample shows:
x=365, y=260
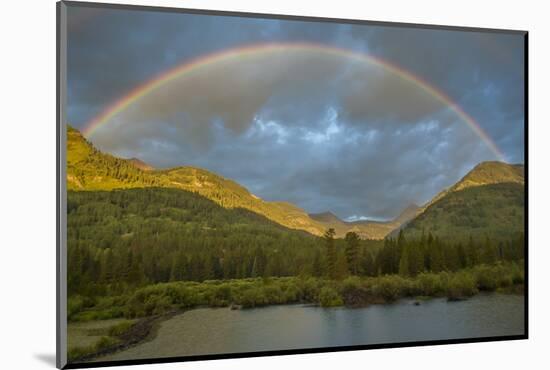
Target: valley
x=145, y=244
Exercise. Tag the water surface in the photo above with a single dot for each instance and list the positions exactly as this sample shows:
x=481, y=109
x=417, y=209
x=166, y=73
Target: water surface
x=221, y=330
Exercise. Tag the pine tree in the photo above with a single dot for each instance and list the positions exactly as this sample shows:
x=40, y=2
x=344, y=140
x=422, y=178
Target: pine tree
x=417, y=260
x=368, y=267
x=317, y=265
x=341, y=268
x=471, y=253
x=352, y=252
x=331, y=253
x=254, y=272
x=462, y=259
x=436, y=256
x=488, y=253
x=404, y=262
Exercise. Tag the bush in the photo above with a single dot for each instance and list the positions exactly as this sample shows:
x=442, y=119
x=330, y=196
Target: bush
x=309, y=288
x=517, y=274
x=461, y=286
x=292, y=293
x=328, y=297
x=486, y=278
x=273, y=294
x=389, y=288
x=430, y=284
x=354, y=292
x=252, y=297
x=221, y=296
x=77, y=304
x=74, y=305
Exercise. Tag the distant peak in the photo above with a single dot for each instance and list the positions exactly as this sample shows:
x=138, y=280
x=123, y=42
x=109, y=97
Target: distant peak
x=491, y=172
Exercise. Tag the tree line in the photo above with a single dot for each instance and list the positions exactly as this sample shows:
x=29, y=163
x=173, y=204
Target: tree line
x=122, y=239
x=426, y=254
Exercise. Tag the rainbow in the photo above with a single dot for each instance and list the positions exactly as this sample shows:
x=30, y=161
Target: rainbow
x=256, y=50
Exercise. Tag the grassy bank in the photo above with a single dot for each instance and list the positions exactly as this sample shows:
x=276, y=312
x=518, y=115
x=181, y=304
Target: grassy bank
x=87, y=338
x=246, y=293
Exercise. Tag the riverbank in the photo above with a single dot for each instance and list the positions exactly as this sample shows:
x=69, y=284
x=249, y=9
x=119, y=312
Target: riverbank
x=204, y=331
x=118, y=337
x=152, y=304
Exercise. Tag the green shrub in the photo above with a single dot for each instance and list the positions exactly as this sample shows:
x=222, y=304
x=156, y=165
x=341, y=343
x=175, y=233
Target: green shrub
x=222, y=296
x=157, y=305
x=389, y=288
x=517, y=274
x=273, y=294
x=430, y=284
x=252, y=297
x=309, y=288
x=74, y=305
x=292, y=294
x=328, y=297
x=353, y=291
x=461, y=286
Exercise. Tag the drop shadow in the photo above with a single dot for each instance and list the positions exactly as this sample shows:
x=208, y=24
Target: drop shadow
x=47, y=358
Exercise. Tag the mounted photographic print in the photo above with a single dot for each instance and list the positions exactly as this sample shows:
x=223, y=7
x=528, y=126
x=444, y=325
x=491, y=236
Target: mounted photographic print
x=234, y=184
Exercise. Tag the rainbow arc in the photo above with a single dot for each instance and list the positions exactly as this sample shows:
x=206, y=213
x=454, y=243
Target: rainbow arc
x=258, y=50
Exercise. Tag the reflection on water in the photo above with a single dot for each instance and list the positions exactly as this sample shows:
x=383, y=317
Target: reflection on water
x=221, y=330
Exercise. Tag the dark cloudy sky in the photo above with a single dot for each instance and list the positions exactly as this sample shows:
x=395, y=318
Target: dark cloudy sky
x=323, y=132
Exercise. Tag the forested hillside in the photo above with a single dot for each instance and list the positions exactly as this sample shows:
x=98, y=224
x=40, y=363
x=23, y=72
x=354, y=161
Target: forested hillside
x=131, y=237
x=495, y=211
x=90, y=169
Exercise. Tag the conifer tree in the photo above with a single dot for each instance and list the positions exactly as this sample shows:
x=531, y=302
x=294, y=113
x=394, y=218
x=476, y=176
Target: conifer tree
x=331, y=252
x=352, y=252
x=404, y=262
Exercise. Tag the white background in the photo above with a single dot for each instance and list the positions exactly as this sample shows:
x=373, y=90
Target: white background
x=27, y=183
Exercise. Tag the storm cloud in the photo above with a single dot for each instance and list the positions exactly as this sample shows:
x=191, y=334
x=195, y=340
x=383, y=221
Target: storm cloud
x=323, y=131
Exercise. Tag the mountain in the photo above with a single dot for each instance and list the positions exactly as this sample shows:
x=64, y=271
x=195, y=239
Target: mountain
x=366, y=229
x=90, y=169
x=326, y=218
x=485, y=173
x=477, y=204
x=488, y=201
x=491, y=172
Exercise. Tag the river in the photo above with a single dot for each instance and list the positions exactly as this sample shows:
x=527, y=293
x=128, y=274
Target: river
x=221, y=330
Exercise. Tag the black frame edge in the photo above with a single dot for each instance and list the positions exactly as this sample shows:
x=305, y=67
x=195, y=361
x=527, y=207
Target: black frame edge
x=526, y=176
